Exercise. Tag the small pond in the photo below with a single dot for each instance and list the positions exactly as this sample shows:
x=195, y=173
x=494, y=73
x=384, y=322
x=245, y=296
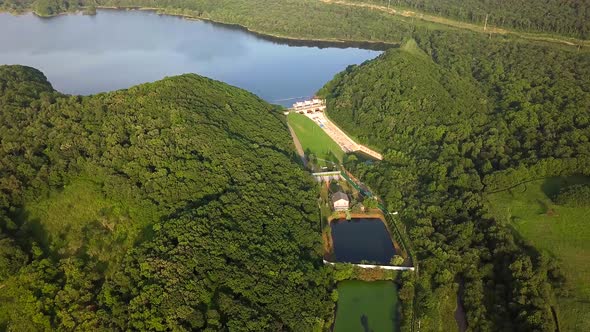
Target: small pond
x=362, y=240
x=367, y=306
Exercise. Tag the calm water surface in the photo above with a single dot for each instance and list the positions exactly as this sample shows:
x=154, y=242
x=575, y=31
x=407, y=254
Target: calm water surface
x=117, y=49
x=362, y=239
x=367, y=306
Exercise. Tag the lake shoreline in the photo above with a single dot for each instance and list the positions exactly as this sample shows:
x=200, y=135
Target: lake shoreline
x=375, y=45
x=133, y=40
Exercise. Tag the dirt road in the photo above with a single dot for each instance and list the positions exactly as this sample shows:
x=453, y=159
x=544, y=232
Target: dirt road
x=298, y=146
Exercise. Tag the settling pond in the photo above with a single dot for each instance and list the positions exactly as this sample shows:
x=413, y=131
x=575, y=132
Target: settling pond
x=360, y=240
x=367, y=306
x=118, y=49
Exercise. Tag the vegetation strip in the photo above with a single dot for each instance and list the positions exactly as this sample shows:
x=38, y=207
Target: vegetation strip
x=461, y=25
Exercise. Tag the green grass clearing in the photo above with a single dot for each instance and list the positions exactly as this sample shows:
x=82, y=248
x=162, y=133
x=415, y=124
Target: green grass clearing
x=367, y=306
x=314, y=140
x=79, y=220
x=563, y=232
x=444, y=313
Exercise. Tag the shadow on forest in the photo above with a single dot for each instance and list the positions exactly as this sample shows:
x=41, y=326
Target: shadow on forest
x=31, y=229
x=552, y=186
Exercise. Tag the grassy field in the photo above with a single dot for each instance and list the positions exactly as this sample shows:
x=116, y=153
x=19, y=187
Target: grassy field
x=442, y=317
x=80, y=220
x=314, y=140
x=366, y=306
x=563, y=232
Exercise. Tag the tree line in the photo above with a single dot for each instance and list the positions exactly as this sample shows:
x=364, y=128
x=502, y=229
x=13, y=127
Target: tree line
x=569, y=18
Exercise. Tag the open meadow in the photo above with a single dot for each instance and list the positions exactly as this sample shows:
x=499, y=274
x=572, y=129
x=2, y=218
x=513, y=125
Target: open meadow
x=561, y=231
x=314, y=140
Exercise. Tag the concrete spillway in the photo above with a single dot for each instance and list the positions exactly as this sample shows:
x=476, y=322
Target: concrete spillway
x=346, y=143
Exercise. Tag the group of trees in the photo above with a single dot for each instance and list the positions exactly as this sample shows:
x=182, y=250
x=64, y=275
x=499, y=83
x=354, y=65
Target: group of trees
x=574, y=196
x=548, y=16
x=449, y=113
x=213, y=225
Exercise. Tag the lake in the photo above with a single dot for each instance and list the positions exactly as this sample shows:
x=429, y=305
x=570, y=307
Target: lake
x=118, y=49
x=362, y=240
x=367, y=306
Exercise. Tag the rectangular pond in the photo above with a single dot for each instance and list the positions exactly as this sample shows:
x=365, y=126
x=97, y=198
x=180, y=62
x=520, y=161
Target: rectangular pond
x=367, y=306
x=360, y=240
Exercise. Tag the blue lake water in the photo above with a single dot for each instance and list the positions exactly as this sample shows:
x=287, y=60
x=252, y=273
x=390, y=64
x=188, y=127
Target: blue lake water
x=117, y=49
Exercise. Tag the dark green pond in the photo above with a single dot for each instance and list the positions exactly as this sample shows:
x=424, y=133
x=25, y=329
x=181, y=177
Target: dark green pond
x=361, y=240
x=367, y=306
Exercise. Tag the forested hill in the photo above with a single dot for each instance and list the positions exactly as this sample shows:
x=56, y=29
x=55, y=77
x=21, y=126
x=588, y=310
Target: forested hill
x=570, y=18
x=175, y=205
x=456, y=118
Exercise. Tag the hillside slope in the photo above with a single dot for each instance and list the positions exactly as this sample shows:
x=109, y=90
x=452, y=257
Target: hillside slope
x=174, y=205
x=455, y=120
x=548, y=16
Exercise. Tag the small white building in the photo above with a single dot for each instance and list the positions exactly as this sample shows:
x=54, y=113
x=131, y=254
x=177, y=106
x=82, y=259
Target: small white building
x=340, y=201
x=309, y=106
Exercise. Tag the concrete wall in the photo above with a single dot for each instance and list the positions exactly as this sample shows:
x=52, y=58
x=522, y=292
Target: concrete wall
x=384, y=267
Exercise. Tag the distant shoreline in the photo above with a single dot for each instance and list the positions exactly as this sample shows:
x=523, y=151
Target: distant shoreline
x=378, y=45
x=275, y=38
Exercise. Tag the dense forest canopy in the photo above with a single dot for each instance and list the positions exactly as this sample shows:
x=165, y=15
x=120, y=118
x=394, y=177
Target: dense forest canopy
x=175, y=205
x=455, y=118
x=570, y=18
x=178, y=205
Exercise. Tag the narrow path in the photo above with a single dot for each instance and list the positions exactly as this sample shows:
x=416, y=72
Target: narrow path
x=298, y=146
x=461, y=24
x=460, y=317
